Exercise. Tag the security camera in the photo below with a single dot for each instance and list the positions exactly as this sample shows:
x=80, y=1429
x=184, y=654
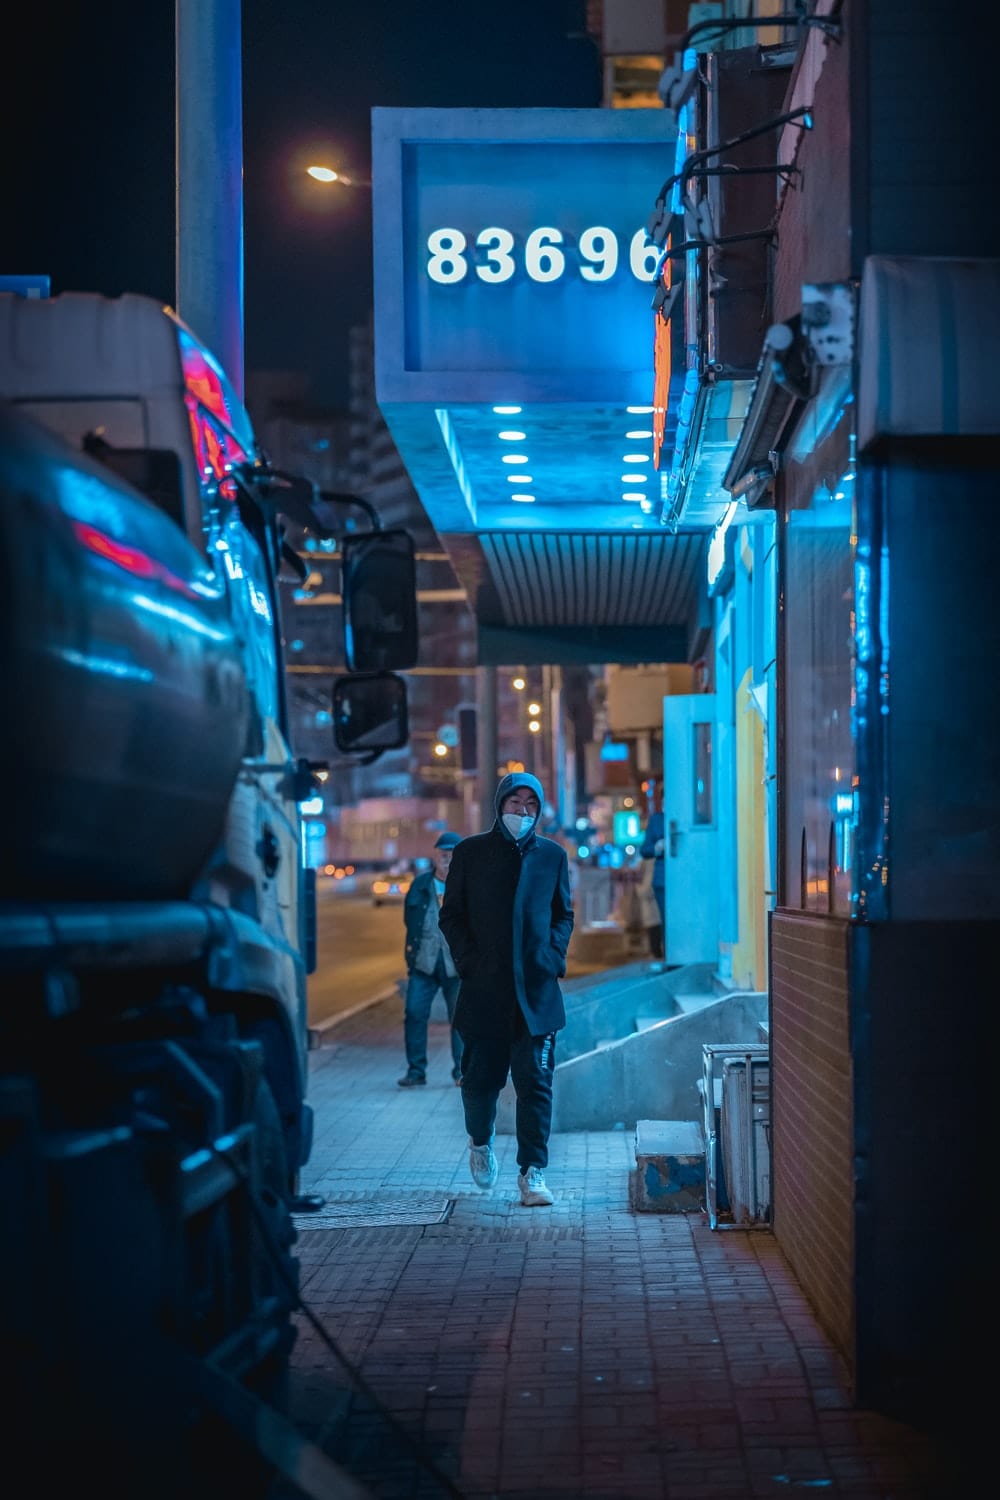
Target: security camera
x=676, y=86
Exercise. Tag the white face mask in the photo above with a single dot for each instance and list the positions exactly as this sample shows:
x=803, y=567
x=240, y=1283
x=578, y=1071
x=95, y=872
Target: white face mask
x=518, y=824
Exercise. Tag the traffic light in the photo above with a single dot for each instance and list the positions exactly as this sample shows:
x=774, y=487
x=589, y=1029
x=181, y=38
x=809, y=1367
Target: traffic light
x=468, y=757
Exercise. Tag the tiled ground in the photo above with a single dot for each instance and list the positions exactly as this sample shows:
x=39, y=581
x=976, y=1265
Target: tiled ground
x=583, y=1350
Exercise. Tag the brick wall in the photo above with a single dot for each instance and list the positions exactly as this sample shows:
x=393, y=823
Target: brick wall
x=811, y=1112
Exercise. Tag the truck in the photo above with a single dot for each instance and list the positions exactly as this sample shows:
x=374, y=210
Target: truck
x=157, y=916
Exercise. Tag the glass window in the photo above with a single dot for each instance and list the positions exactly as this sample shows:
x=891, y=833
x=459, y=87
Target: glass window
x=819, y=762
x=702, y=762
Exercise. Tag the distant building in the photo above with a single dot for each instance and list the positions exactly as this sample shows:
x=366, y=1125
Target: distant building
x=352, y=453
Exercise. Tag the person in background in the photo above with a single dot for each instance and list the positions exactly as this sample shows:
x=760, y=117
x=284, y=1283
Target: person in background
x=649, y=916
x=429, y=965
x=507, y=915
x=652, y=847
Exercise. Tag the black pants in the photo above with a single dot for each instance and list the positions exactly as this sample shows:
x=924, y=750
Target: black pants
x=530, y=1061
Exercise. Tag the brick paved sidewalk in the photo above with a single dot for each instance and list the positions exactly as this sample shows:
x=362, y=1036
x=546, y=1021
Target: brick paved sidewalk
x=582, y=1350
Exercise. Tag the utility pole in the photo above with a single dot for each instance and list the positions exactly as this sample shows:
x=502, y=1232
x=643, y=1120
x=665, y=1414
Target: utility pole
x=209, y=177
x=486, y=683
x=560, y=788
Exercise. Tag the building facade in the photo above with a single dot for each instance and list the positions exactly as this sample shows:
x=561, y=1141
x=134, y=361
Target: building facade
x=852, y=644
x=823, y=430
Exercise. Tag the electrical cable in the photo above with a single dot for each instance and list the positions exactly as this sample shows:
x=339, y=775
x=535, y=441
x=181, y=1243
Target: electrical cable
x=696, y=158
x=720, y=26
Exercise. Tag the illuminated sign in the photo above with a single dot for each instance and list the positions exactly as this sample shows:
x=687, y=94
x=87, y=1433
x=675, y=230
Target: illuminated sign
x=627, y=829
x=720, y=561
x=511, y=255
x=542, y=256
x=514, y=324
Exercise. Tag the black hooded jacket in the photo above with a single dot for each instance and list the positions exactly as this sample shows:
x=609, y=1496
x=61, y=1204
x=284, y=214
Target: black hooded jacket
x=507, y=919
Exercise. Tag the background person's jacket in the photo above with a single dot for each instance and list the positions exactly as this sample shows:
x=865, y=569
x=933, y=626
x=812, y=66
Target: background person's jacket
x=655, y=832
x=507, y=917
x=424, y=939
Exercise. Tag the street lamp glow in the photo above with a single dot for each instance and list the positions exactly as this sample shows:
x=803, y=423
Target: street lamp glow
x=534, y=726
x=519, y=684
x=440, y=750
x=327, y=174
x=534, y=708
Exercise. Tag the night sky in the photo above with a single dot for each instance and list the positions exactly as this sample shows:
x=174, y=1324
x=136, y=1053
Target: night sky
x=88, y=195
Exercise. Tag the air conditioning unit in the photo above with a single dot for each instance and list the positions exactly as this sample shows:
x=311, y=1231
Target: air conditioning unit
x=746, y=1139
x=736, y=1098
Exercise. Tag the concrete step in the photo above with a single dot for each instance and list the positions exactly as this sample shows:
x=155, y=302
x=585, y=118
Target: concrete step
x=696, y=1000
x=669, y=1167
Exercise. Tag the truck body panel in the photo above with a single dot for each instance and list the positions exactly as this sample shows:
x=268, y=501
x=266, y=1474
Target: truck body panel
x=156, y=920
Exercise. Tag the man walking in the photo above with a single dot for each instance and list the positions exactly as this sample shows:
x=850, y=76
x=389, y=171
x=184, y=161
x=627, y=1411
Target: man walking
x=507, y=917
x=429, y=965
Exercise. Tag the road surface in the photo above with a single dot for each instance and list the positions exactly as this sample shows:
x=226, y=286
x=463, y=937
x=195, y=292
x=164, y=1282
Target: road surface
x=360, y=953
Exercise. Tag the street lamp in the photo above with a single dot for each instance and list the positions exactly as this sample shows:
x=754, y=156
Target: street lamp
x=321, y=173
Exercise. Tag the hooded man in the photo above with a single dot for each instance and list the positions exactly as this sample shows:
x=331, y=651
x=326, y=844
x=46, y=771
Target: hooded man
x=507, y=918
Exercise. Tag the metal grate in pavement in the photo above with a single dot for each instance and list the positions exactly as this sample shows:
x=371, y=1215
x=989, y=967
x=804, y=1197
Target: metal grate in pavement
x=371, y=1210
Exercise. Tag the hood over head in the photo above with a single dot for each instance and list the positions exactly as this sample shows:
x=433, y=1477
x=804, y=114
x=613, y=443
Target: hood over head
x=511, y=783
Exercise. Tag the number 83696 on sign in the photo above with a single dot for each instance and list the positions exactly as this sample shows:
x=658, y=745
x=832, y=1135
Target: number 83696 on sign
x=545, y=254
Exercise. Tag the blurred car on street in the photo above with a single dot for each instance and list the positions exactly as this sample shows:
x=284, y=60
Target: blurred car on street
x=343, y=878
x=391, y=887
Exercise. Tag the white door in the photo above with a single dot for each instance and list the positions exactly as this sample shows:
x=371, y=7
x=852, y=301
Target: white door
x=691, y=827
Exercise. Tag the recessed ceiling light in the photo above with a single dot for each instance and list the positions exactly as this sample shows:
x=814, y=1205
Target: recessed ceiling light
x=636, y=436
x=636, y=458
x=633, y=495
x=507, y=411
x=633, y=479
x=511, y=436
x=519, y=479
x=525, y=499
x=514, y=458
x=638, y=411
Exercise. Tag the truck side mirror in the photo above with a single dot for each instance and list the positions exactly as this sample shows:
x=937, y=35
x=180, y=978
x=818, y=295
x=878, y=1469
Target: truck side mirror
x=379, y=589
x=370, y=713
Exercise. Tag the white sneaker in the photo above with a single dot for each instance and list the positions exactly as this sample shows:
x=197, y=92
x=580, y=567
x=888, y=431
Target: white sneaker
x=534, y=1193
x=483, y=1165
